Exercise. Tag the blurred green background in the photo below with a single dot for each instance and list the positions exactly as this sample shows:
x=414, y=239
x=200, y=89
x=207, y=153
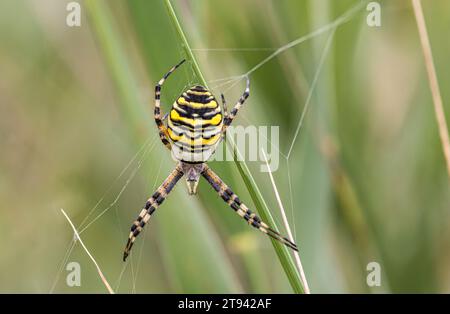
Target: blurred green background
x=368, y=179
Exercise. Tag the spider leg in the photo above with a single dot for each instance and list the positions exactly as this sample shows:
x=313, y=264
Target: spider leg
x=229, y=118
x=157, y=114
x=224, y=105
x=151, y=205
x=233, y=201
x=225, y=115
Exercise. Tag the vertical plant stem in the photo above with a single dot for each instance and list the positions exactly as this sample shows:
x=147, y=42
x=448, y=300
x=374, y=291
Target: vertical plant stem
x=285, y=258
x=263, y=210
x=185, y=44
x=433, y=81
x=288, y=228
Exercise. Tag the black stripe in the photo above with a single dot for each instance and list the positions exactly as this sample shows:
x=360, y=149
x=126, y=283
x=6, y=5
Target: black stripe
x=202, y=99
x=151, y=210
x=189, y=112
x=159, y=200
x=198, y=88
x=197, y=134
x=197, y=130
x=234, y=206
x=191, y=127
x=193, y=162
x=173, y=182
x=225, y=197
x=214, y=184
x=212, y=113
x=257, y=222
x=193, y=148
x=212, y=135
x=156, y=195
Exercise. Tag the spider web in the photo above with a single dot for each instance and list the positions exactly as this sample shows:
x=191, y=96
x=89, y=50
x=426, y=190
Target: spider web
x=127, y=174
x=133, y=166
x=227, y=83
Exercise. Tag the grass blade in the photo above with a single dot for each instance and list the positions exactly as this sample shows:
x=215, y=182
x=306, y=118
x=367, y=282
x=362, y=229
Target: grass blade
x=288, y=228
x=285, y=258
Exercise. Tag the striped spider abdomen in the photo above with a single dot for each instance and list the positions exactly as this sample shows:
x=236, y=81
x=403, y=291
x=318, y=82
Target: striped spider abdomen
x=195, y=125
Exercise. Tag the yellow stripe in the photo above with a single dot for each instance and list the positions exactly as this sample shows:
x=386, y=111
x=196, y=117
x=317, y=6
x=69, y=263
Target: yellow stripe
x=195, y=122
x=173, y=136
x=197, y=105
x=200, y=141
x=177, y=107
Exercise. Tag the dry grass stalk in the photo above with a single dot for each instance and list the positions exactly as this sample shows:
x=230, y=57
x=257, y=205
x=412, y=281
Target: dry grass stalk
x=433, y=81
x=102, y=277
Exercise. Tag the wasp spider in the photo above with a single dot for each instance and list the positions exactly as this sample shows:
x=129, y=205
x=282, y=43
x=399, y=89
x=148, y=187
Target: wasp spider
x=195, y=126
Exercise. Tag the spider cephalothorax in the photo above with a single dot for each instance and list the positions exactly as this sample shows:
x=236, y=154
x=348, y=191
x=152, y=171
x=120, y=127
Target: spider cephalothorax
x=192, y=173
x=196, y=124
